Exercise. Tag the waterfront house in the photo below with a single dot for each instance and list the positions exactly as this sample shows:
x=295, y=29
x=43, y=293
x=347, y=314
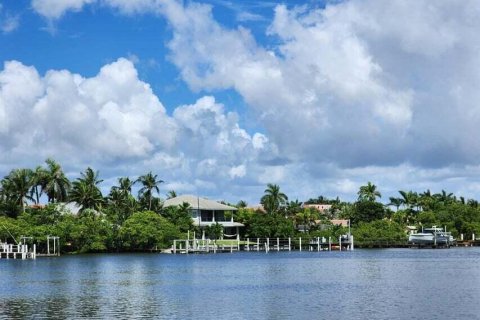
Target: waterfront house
x=205, y=212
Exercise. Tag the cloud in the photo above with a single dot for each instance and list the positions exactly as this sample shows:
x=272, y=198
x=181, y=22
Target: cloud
x=113, y=121
x=54, y=9
x=352, y=75
x=10, y=23
x=355, y=91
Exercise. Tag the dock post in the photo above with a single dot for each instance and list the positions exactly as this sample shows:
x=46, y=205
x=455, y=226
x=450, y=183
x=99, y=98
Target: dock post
x=48, y=245
x=258, y=244
x=289, y=244
x=238, y=244
x=174, y=246
x=248, y=244
x=318, y=244
x=473, y=236
x=300, y=241
x=340, y=243
x=34, y=251
x=278, y=244
x=329, y=243
x=351, y=242
x=268, y=244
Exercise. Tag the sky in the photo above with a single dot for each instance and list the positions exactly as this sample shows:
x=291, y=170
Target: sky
x=220, y=98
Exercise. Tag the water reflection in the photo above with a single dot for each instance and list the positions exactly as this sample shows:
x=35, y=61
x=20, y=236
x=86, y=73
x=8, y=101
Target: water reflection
x=369, y=284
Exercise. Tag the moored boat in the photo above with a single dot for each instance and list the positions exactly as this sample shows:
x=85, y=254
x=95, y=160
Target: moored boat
x=432, y=237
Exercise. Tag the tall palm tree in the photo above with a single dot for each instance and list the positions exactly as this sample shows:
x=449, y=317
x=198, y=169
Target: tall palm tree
x=273, y=199
x=396, y=202
x=409, y=199
x=293, y=207
x=85, y=190
x=125, y=185
x=368, y=193
x=39, y=182
x=149, y=183
x=16, y=186
x=56, y=183
x=444, y=197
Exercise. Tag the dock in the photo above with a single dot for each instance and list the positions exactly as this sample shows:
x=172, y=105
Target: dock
x=17, y=251
x=197, y=246
x=21, y=250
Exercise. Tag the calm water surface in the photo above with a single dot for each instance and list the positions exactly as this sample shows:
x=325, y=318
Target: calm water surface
x=363, y=284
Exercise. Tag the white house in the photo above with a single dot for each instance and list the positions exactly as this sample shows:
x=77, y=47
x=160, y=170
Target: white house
x=206, y=212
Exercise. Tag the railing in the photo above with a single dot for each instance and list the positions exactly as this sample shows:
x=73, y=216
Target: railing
x=261, y=244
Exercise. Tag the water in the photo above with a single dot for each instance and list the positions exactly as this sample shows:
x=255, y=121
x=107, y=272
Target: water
x=363, y=284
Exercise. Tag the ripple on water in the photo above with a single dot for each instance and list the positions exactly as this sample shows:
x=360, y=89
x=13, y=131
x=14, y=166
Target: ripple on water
x=364, y=284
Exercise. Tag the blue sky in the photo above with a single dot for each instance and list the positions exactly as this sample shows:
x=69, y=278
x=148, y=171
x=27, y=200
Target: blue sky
x=221, y=97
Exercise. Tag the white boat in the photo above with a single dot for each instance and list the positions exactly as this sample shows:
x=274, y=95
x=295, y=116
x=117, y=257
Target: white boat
x=431, y=237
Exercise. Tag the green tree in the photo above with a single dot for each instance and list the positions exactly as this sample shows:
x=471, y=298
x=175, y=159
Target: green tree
x=39, y=182
x=171, y=194
x=293, y=208
x=366, y=211
x=214, y=231
x=147, y=230
x=150, y=183
x=56, y=185
x=16, y=187
x=273, y=199
x=125, y=186
x=85, y=191
x=242, y=204
x=368, y=193
x=379, y=232
x=180, y=217
x=396, y=202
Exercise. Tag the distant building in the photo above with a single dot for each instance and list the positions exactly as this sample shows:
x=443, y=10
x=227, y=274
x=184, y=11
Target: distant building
x=206, y=212
x=320, y=207
x=340, y=222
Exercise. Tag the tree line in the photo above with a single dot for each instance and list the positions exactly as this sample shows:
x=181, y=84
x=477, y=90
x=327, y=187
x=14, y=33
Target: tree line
x=123, y=221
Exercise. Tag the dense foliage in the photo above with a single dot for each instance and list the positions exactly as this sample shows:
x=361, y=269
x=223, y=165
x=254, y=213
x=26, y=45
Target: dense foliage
x=122, y=221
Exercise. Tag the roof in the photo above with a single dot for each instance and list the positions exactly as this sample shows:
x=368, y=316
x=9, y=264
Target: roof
x=197, y=203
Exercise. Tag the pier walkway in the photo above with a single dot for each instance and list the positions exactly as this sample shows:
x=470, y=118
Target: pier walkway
x=187, y=246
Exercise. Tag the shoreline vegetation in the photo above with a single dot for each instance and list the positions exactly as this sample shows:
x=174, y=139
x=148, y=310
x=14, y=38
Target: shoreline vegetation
x=123, y=222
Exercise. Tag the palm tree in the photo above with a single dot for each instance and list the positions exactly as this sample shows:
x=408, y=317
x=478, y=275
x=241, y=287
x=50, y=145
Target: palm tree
x=273, y=198
x=293, y=207
x=125, y=185
x=368, y=193
x=39, y=182
x=171, y=194
x=85, y=191
x=56, y=183
x=150, y=184
x=426, y=201
x=409, y=199
x=307, y=218
x=16, y=186
x=242, y=204
x=396, y=202
x=472, y=203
